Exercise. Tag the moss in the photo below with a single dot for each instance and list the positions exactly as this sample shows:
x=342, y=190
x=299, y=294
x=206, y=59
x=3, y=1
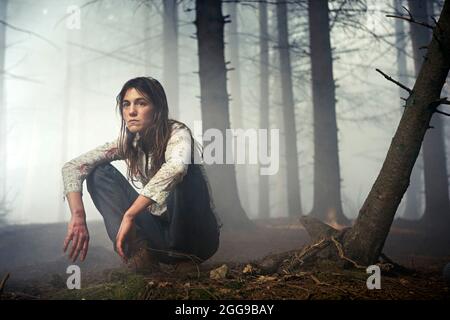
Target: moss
x=129, y=287
x=234, y=285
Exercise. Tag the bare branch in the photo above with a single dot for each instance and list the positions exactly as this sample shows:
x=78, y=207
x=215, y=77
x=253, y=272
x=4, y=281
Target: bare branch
x=29, y=32
x=442, y=112
x=411, y=19
x=394, y=81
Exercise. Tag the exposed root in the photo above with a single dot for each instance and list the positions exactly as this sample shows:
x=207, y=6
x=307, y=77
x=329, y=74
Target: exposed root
x=342, y=255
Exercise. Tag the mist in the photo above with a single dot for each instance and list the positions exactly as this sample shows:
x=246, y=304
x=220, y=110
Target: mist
x=61, y=83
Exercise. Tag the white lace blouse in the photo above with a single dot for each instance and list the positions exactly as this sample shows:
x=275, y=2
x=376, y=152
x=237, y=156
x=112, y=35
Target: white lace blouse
x=157, y=187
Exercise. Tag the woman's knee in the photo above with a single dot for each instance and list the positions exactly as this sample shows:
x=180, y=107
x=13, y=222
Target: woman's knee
x=97, y=176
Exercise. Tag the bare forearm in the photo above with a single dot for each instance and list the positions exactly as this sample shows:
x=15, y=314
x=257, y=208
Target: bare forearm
x=76, y=205
x=138, y=206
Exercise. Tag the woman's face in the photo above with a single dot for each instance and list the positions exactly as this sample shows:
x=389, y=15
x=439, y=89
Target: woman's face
x=136, y=111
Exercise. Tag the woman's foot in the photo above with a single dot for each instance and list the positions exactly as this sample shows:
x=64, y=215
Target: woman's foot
x=143, y=261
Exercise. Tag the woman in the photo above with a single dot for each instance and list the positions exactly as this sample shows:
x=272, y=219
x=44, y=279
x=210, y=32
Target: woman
x=172, y=218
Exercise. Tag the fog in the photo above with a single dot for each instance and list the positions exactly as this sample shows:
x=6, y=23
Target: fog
x=60, y=86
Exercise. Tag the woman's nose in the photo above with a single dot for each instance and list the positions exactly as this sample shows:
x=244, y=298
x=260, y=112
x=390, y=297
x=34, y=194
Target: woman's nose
x=132, y=110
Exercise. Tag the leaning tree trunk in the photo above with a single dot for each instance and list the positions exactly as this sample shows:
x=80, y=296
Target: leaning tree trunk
x=413, y=195
x=170, y=72
x=327, y=204
x=290, y=132
x=365, y=240
x=437, y=206
x=3, y=123
x=264, y=203
x=215, y=110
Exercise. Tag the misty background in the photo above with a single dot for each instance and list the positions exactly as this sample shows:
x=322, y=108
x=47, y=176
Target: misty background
x=60, y=84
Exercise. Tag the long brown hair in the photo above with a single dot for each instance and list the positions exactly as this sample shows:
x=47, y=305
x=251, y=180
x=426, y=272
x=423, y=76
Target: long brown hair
x=153, y=140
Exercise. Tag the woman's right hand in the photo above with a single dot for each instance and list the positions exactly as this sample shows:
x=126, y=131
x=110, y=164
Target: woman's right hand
x=78, y=234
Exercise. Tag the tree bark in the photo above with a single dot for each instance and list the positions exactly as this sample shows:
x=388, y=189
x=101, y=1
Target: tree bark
x=437, y=206
x=264, y=203
x=327, y=205
x=365, y=240
x=290, y=132
x=170, y=72
x=215, y=109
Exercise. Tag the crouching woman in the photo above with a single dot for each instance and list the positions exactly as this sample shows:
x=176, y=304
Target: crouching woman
x=172, y=218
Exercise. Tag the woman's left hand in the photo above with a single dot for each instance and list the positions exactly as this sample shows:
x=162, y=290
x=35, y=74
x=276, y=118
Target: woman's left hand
x=124, y=230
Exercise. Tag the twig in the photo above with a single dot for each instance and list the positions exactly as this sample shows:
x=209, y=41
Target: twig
x=437, y=103
x=423, y=24
x=410, y=19
x=394, y=81
x=442, y=112
x=317, y=281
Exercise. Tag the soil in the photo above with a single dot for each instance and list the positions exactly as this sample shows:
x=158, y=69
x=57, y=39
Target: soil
x=32, y=255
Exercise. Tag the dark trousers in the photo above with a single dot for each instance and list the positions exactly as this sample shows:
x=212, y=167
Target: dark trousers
x=188, y=230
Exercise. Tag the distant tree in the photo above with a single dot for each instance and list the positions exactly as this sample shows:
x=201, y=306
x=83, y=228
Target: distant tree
x=215, y=108
x=290, y=128
x=236, y=104
x=437, y=205
x=171, y=54
x=3, y=212
x=3, y=131
x=263, y=202
x=327, y=204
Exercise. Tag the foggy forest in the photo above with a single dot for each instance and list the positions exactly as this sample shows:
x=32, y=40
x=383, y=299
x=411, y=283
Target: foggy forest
x=358, y=90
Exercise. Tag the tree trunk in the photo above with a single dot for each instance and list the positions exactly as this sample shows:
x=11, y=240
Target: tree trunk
x=365, y=240
x=170, y=72
x=215, y=110
x=327, y=204
x=236, y=94
x=65, y=112
x=437, y=206
x=235, y=77
x=290, y=132
x=413, y=195
x=279, y=180
x=3, y=113
x=148, y=38
x=264, y=203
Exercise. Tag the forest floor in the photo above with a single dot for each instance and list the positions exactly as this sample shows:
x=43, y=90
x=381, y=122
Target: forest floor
x=33, y=257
